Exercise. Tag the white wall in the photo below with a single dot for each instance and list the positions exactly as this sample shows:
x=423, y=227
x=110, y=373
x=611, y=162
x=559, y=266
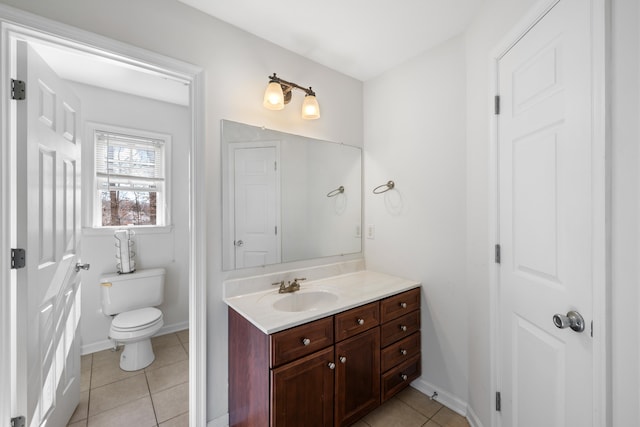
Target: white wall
x=625, y=132
x=415, y=135
x=167, y=249
x=494, y=20
x=237, y=65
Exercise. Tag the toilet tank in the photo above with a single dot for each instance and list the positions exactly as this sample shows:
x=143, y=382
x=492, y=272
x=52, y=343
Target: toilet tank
x=125, y=292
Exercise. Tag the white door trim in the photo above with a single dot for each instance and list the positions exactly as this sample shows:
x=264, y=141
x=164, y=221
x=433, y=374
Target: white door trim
x=15, y=22
x=601, y=190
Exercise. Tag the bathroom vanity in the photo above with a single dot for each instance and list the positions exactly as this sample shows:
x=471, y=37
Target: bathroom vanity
x=325, y=355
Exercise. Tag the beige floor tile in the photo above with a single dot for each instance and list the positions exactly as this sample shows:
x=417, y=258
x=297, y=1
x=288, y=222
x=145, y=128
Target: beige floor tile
x=167, y=355
x=395, y=413
x=432, y=423
x=82, y=423
x=168, y=376
x=106, y=356
x=108, y=372
x=137, y=413
x=85, y=380
x=183, y=336
x=360, y=424
x=164, y=341
x=171, y=402
x=179, y=421
x=419, y=401
x=85, y=362
x=82, y=410
x=447, y=418
x=118, y=393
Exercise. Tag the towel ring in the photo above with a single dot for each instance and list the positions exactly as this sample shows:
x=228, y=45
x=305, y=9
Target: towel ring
x=389, y=186
x=335, y=192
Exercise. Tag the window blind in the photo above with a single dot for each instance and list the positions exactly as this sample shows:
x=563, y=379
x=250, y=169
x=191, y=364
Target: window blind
x=128, y=163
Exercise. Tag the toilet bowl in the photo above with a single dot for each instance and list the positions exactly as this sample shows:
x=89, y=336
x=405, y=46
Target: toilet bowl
x=134, y=329
x=130, y=300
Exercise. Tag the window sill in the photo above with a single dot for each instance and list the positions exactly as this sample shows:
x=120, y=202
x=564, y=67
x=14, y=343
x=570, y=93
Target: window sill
x=140, y=230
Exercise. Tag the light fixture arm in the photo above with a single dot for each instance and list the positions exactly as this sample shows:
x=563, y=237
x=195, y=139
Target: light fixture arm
x=287, y=86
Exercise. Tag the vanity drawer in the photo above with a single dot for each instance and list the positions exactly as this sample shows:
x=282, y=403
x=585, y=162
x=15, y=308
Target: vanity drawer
x=399, y=305
x=399, y=328
x=357, y=320
x=398, y=378
x=301, y=340
x=399, y=352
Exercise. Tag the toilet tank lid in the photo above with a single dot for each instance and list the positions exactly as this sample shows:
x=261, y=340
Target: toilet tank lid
x=114, y=277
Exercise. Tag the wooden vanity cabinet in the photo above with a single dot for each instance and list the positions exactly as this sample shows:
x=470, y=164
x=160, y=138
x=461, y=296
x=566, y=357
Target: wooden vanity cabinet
x=357, y=363
x=400, y=342
x=326, y=372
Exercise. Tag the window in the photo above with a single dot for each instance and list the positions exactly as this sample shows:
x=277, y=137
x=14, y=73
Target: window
x=130, y=174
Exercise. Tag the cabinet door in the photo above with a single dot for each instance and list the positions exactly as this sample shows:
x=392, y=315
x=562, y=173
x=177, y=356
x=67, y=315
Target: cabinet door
x=357, y=376
x=302, y=391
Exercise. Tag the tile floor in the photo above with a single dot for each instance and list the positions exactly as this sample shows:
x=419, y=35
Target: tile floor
x=155, y=396
x=410, y=408
x=159, y=394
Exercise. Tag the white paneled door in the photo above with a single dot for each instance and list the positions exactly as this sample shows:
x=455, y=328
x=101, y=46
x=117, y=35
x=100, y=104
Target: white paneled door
x=47, y=353
x=546, y=207
x=257, y=201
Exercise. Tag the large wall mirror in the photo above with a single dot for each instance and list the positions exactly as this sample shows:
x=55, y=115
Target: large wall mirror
x=287, y=197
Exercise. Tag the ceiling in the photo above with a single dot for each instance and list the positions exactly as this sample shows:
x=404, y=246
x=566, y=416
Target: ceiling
x=83, y=67
x=360, y=38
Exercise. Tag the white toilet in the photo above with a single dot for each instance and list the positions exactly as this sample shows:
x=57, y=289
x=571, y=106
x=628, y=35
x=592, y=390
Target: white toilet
x=131, y=300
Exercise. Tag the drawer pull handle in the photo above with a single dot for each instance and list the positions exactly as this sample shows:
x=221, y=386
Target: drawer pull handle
x=403, y=328
x=404, y=377
x=331, y=365
x=343, y=359
x=403, y=352
x=306, y=341
x=403, y=304
x=360, y=321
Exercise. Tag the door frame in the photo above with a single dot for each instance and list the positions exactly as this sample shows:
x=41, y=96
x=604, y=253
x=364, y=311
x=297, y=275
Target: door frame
x=601, y=171
x=17, y=23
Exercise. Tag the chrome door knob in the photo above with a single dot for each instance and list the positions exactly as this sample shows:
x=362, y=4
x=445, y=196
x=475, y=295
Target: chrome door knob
x=239, y=243
x=573, y=320
x=81, y=267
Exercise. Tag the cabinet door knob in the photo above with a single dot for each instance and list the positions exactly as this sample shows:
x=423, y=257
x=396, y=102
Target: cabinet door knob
x=360, y=321
x=331, y=365
x=403, y=351
x=306, y=341
x=403, y=328
x=343, y=359
x=403, y=304
x=404, y=377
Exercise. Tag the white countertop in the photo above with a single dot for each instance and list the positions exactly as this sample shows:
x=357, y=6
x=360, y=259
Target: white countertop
x=352, y=290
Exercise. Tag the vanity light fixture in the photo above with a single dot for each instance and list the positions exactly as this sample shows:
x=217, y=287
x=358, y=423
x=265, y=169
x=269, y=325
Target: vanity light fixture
x=278, y=94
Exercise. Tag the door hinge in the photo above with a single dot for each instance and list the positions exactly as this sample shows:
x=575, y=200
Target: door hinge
x=18, y=257
x=275, y=166
x=498, y=401
x=496, y=104
x=592, y=329
x=18, y=88
x=18, y=421
x=497, y=254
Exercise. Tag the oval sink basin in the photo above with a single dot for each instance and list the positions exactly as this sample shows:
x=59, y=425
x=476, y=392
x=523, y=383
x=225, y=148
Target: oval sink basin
x=305, y=301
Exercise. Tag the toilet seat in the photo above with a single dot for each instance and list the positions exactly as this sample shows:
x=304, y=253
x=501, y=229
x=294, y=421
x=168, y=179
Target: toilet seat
x=135, y=320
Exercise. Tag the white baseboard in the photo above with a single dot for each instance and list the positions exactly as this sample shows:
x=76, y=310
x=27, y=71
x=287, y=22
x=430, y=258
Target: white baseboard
x=448, y=400
x=222, y=421
x=107, y=344
x=473, y=418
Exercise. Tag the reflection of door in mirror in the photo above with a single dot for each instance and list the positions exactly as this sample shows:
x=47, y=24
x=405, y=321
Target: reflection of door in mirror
x=256, y=187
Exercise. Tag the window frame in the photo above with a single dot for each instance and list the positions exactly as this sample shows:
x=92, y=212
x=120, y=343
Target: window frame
x=93, y=204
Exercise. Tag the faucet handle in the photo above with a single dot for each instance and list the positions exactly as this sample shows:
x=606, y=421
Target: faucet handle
x=299, y=279
x=280, y=283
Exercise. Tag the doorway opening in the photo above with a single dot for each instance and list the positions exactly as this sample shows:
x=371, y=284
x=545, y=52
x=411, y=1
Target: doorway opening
x=151, y=79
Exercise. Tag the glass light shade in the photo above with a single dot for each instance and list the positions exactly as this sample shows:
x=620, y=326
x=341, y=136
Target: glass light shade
x=310, y=108
x=273, y=97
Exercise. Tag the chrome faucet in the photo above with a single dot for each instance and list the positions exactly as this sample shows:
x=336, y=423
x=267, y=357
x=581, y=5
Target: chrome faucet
x=292, y=286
